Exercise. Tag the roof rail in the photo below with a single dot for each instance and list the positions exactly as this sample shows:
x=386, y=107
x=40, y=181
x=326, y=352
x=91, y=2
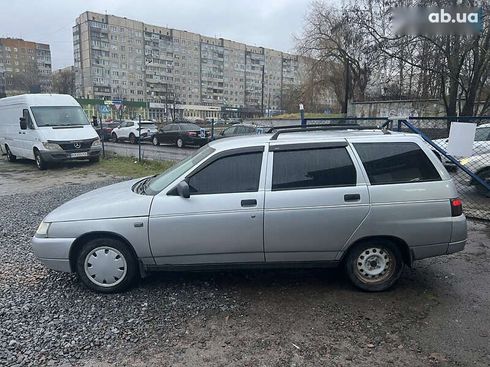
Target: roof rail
x=325, y=128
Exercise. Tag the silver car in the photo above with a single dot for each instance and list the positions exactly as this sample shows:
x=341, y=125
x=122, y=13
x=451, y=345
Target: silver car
x=371, y=201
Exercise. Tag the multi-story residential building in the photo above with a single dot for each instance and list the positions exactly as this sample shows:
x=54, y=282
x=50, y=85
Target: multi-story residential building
x=25, y=67
x=173, y=70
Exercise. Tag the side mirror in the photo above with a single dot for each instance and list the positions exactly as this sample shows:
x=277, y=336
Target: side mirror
x=183, y=190
x=23, y=123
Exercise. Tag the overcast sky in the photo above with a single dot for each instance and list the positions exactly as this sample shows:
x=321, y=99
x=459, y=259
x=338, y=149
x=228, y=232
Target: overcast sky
x=267, y=23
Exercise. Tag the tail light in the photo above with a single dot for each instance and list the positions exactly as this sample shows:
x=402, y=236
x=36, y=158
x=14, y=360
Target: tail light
x=456, y=207
x=191, y=133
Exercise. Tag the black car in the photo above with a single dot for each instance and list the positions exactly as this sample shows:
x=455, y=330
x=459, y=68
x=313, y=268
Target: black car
x=181, y=134
x=242, y=129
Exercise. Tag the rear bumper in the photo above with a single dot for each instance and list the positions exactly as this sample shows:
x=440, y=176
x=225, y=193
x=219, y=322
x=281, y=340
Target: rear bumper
x=60, y=155
x=423, y=252
x=195, y=140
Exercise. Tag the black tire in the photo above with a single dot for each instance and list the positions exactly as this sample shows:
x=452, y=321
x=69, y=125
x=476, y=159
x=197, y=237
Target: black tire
x=10, y=156
x=361, y=271
x=179, y=143
x=94, y=159
x=485, y=175
x=130, y=274
x=114, y=137
x=155, y=140
x=132, y=138
x=40, y=162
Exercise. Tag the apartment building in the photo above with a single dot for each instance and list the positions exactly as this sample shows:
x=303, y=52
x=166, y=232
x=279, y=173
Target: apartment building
x=195, y=75
x=25, y=67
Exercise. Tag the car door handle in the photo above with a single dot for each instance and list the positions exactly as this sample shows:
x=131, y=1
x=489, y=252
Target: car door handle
x=352, y=197
x=249, y=202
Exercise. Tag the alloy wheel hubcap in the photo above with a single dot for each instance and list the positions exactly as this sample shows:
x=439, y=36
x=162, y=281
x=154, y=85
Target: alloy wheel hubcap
x=179, y=143
x=105, y=266
x=374, y=265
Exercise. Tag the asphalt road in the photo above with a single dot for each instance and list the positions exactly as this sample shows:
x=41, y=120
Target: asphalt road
x=161, y=152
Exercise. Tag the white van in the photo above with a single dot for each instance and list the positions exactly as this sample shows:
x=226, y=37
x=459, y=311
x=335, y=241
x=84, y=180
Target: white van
x=46, y=128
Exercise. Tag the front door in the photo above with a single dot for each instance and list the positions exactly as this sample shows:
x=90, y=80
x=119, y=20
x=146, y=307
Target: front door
x=221, y=222
x=315, y=200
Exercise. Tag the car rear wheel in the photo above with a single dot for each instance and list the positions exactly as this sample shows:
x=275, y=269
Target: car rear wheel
x=155, y=140
x=10, y=156
x=107, y=265
x=179, y=143
x=114, y=137
x=132, y=138
x=40, y=163
x=375, y=265
x=485, y=176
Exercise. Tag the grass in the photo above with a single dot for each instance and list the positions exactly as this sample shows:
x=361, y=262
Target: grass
x=130, y=167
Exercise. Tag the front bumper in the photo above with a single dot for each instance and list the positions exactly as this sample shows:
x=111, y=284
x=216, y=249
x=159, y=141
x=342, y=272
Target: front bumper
x=64, y=155
x=54, y=253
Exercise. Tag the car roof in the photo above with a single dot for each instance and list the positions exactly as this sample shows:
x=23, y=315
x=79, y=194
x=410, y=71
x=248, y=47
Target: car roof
x=310, y=136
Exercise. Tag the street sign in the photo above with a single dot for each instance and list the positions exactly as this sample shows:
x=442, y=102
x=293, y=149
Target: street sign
x=103, y=109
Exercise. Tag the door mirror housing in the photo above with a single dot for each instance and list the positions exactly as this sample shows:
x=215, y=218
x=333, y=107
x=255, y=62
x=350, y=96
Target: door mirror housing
x=23, y=123
x=183, y=190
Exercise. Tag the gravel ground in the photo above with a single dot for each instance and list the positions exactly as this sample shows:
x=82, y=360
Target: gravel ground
x=437, y=315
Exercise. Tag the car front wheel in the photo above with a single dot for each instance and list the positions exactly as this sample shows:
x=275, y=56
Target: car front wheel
x=132, y=138
x=155, y=141
x=107, y=265
x=375, y=265
x=114, y=137
x=179, y=143
x=40, y=162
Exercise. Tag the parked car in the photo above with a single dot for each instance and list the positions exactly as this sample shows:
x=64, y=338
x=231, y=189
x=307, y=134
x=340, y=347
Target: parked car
x=481, y=144
x=242, y=129
x=129, y=130
x=46, y=128
x=181, y=134
x=105, y=130
x=480, y=165
x=369, y=201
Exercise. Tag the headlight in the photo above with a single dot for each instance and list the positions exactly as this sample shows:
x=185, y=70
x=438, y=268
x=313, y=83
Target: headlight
x=42, y=230
x=96, y=143
x=52, y=146
x=464, y=161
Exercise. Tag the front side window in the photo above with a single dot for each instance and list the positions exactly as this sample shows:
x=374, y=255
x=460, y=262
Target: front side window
x=312, y=168
x=229, y=174
x=391, y=163
x=59, y=116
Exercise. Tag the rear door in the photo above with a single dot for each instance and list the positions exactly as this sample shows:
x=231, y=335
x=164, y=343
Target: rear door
x=315, y=199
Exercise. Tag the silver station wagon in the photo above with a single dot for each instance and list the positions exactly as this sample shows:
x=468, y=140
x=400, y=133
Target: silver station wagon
x=369, y=200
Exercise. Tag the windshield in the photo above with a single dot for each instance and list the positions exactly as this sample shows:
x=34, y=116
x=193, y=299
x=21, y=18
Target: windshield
x=160, y=182
x=59, y=116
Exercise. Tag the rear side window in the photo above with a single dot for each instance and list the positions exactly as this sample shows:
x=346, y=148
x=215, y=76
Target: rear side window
x=234, y=173
x=312, y=168
x=391, y=163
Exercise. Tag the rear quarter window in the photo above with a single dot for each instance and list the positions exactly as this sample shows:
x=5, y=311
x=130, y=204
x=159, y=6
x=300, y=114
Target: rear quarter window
x=392, y=163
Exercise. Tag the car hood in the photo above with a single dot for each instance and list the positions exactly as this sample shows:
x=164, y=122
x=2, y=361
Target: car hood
x=84, y=132
x=114, y=201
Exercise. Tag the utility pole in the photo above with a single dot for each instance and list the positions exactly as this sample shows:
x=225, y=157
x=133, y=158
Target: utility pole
x=262, y=102
x=269, y=106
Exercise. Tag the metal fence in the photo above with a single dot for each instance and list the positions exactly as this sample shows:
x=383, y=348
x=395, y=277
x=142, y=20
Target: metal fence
x=471, y=175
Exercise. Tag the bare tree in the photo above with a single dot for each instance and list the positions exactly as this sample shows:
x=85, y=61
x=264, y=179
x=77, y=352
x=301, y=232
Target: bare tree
x=64, y=82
